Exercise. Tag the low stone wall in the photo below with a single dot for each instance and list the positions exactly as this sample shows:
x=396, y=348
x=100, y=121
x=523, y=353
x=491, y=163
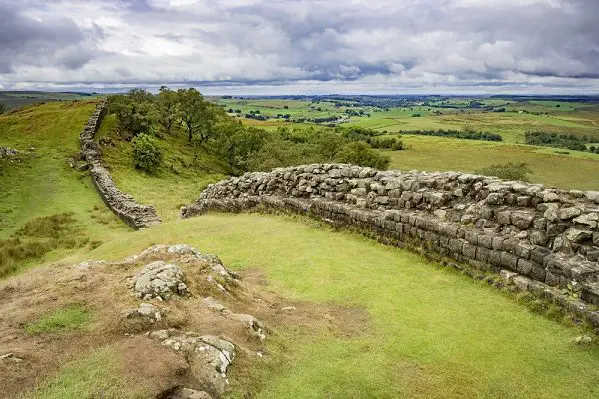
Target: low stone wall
x=123, y=205
x=548, y=237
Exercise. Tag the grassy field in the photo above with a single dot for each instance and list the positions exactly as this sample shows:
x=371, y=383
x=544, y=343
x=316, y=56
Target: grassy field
x=571, y=117
x=576, y=170
x=432, y=332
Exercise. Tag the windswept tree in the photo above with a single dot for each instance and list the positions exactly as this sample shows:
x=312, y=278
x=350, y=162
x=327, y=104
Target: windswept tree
x=196, y=114
x=167, y=103
x=135, y=111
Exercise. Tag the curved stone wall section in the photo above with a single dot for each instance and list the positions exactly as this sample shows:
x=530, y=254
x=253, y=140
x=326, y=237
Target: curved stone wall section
x=549, y=236
x=123, y=205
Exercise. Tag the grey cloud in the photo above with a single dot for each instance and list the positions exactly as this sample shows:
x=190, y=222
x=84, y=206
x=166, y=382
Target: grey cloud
x=28, y=41
x=410, y=43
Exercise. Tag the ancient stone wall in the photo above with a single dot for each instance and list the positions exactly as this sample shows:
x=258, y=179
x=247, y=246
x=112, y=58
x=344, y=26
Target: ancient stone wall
x=123, y=205
x=548, y=237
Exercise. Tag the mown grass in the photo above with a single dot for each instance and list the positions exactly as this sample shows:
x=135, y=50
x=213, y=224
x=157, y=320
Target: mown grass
x=432, y=332
x=71, y=317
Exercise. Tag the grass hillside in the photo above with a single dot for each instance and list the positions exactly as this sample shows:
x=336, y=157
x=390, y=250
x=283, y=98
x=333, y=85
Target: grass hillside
x=43, y=184
x=410, y=328
x=187, y=170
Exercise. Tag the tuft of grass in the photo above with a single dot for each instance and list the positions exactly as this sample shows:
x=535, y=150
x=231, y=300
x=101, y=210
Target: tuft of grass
x=68, y=318
x=38, y=237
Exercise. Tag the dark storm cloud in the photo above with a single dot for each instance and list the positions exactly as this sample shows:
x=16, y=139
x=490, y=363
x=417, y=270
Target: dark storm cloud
x=394, y=43
x=27, y=41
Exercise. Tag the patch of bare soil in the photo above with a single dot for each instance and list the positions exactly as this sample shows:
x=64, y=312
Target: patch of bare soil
x=190, y=331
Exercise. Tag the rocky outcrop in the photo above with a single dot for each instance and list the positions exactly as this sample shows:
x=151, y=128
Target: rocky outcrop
x=159, y=280
x=209, y=356
x=547, y=236
x=123, y=205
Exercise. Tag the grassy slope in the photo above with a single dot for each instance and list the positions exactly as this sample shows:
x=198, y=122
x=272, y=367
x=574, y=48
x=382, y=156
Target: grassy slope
x=45, y=185
x=578, y=170
x=178, y=182
x=434, y=333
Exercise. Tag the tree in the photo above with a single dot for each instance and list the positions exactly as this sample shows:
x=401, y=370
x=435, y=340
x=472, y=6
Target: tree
x=135, y=111
x=360, y=153
x=147, y=154
x=508, y=171
x=167, y=104
x=197, y=115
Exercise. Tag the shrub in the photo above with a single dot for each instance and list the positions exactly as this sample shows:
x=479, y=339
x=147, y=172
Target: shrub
x=360, y=153
x=508, y=171
x=147, y=154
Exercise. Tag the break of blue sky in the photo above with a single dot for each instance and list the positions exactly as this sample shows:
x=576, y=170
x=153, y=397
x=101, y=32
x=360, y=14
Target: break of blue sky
x=300, y=46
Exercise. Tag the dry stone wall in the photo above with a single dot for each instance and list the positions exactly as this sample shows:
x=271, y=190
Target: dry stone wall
x=548, y=237
x=123, y=205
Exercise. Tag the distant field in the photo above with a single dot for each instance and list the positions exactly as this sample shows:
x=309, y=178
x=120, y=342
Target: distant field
x=16, y=99
x=581, y=119
x=577, y=170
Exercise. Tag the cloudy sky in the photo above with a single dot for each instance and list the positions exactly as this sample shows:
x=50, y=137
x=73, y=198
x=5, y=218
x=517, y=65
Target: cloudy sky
x=302, y=46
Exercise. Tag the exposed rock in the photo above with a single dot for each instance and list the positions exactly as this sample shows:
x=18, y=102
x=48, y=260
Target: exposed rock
x=578, y=235
x=590, y=219
x=255, y=326
x=10, y=358
x=209, y=356
x=159, y=280
x=146, y=313
x=583, y=340
x=568, y=213
x=187, y=393
x=6, y=152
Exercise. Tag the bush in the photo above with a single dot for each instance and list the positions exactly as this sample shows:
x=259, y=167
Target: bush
x=147, y=154
x=360, y=153
x=508, y=171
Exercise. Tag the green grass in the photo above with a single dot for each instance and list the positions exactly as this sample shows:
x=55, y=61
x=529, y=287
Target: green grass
x=45, y=184
x=433, y=332
x=38, y=237
x=93, y=376
x=68, y=318
x=186, y=171
x=572, y=118
x=577, y=170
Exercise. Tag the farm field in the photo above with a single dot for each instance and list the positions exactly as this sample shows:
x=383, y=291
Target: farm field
x=576, y=118
x=576, y=170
